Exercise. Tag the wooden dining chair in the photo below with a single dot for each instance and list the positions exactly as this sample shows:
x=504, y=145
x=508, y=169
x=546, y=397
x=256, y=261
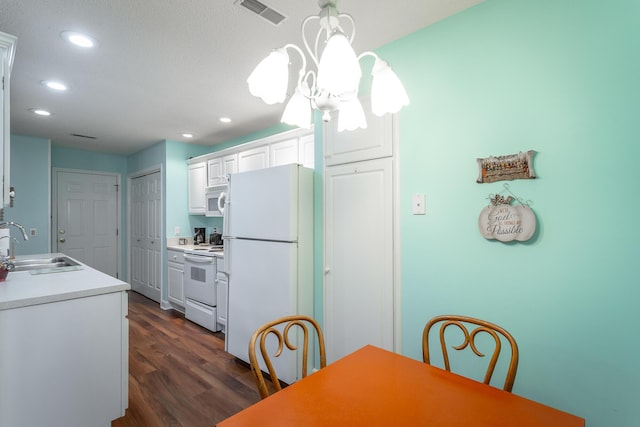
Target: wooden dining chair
x=287, y=337
x=462, y=322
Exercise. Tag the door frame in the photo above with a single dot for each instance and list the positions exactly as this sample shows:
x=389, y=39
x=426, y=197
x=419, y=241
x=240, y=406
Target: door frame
x=130, y=177
x=54, y=211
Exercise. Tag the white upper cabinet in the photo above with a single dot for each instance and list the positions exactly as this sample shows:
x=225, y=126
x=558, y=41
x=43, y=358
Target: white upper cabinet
x=295, y=150
x=284, y=152
x=306, y=151
x=7, y=52
x=197, y=181
x=374, y=142
x=219, y=168
x=229, y=166
x=214, y=171
x=254, y=158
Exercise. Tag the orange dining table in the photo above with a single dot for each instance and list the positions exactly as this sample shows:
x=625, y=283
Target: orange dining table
x=375, y=387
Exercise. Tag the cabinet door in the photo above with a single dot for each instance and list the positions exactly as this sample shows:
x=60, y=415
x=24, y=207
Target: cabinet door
x=229, y=166
x=374, y=142
x=252, y=159
x=284, y=152
x=214, y=171
x=7, y=52
x=175, y=282
x=359, y=257
x=197, y=183
x=306, y=151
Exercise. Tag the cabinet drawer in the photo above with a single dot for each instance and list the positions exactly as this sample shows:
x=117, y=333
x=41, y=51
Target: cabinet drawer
x=175, y=256
x=201, y=314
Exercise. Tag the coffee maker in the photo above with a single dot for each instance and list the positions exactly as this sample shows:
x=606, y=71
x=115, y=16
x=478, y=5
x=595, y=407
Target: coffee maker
x=199, y=235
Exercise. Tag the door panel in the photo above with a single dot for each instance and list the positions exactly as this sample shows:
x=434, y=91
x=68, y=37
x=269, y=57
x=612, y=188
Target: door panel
x=87, y=219
x=359, y=289
x=146, y=235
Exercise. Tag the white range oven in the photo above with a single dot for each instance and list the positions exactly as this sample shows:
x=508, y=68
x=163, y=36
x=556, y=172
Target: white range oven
x=200, y=286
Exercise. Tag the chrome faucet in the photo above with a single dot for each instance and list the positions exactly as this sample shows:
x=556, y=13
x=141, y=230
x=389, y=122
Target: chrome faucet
x=18, y=226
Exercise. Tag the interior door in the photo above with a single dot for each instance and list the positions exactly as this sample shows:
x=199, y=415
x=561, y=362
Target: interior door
x=87, y=218
x=146, y=235
x=359, y=280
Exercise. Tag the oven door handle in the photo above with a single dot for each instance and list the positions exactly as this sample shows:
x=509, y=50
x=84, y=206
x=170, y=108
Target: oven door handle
x=200, y=259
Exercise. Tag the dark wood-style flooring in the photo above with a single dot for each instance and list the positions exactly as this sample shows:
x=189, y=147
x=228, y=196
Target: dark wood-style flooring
x=179, y=373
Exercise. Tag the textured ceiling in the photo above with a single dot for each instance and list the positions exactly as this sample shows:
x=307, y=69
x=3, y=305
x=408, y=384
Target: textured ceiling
x=165, y=67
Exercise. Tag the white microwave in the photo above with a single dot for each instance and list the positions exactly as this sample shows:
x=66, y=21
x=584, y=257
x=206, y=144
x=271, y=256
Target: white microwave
x=214, y=200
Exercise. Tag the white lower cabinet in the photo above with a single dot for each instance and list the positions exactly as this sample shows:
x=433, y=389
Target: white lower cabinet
x=175, y=277
x=65, y=363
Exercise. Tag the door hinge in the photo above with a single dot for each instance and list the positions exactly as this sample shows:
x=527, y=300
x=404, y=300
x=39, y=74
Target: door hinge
x=117, y=232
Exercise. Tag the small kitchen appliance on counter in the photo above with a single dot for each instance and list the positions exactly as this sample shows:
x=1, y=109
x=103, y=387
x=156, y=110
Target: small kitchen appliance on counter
x=215, y=238
x=199, y=235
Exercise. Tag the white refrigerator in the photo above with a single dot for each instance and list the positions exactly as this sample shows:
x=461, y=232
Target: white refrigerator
x=268, y=253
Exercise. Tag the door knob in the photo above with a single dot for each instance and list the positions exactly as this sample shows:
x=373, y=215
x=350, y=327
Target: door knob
x=62, y=240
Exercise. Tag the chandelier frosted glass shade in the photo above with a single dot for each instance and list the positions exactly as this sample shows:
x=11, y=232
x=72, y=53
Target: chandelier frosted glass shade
x=298, y=111
x=351, y=116
x=339, y=71
x=270, y=78
x=334, y=83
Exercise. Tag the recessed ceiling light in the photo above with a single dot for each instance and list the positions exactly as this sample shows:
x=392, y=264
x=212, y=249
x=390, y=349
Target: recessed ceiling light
x=79, y=39
x=55, y=85
x=225, y=119
x=187, y=135
x=40, y=111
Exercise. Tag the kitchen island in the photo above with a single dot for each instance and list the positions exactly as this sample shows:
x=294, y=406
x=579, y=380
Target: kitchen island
x=64, y=342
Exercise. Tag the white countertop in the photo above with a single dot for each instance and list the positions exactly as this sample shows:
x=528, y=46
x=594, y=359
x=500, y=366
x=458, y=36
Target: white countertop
x=22, y=289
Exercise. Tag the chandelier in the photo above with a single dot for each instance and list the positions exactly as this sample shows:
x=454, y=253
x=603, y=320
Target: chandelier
x=332, y=81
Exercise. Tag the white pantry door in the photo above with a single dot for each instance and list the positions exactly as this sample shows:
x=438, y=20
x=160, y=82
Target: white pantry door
x=146, y=235
x=87, y=218
x=359, y=257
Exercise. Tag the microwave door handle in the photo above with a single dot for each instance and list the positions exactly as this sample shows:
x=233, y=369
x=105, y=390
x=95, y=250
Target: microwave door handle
x=221, y=199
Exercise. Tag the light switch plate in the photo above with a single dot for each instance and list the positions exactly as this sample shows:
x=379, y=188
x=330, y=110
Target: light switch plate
x=176, y=231
x=419, y=204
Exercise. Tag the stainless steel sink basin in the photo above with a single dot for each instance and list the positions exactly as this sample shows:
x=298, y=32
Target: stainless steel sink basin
x=46, y=265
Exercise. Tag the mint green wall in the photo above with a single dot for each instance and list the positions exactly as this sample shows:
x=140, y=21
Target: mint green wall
x=559, y=77
x=30, y=177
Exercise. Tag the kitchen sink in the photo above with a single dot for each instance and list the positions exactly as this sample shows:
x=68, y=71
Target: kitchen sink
x=46, y=265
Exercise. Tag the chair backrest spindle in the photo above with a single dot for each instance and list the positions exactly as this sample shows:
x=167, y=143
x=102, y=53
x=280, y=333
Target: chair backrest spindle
x=489, y=328
x=283, y=330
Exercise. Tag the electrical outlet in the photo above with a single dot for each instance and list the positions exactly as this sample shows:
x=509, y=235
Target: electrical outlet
x=176, y=231
x=33, y=232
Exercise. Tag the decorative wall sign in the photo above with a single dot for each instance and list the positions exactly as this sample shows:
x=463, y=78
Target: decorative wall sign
x=504, y=168
x=503, y=222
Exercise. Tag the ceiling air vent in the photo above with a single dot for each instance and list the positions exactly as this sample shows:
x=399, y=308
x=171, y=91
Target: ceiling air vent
x=262, y=10
x=79, y=135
